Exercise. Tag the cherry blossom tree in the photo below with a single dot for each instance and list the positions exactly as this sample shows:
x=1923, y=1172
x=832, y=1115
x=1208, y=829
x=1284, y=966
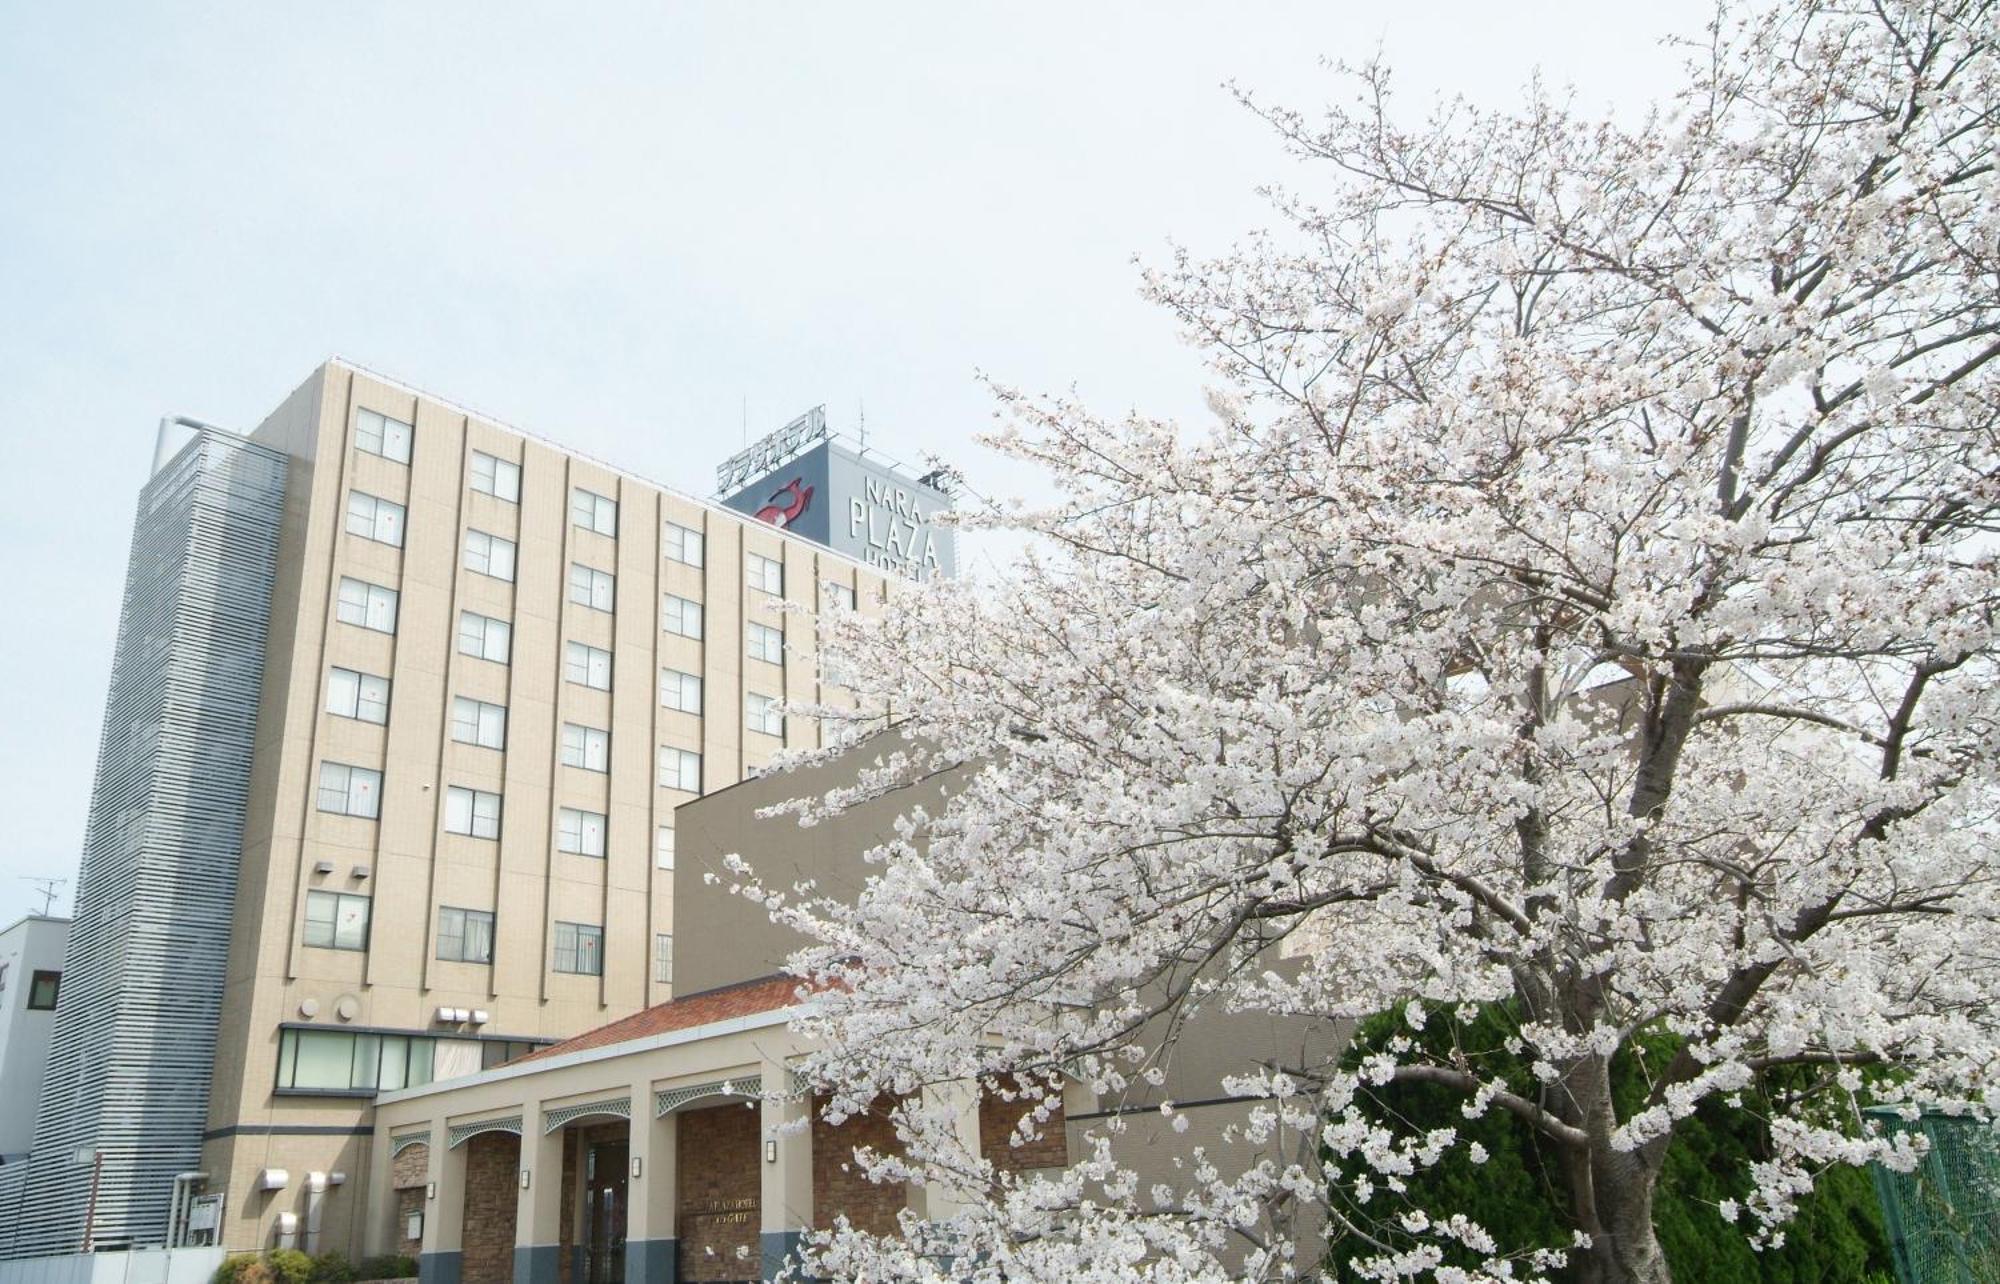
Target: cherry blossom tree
x=1581, y=608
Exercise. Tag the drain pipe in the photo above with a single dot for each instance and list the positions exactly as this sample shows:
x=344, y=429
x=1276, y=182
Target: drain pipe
x=181, y=1205
x=317, y=1185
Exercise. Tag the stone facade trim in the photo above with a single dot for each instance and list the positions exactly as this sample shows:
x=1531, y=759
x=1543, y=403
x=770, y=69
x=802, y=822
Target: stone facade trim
x=462, y=1133
x=554, y=1119
x=668, y=1100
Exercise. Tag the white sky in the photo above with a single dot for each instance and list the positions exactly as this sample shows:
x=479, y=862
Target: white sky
x=626, y=226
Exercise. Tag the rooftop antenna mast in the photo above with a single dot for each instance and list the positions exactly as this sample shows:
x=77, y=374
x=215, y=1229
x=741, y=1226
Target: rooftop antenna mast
x=48, y=889
x=862, y=407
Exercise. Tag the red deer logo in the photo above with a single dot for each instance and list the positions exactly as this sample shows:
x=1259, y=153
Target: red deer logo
x=783, y=515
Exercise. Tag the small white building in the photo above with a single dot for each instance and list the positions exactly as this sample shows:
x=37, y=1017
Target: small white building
x=31, y=962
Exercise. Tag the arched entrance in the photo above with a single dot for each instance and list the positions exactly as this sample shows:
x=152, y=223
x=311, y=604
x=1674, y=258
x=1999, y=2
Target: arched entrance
x=597, y=1163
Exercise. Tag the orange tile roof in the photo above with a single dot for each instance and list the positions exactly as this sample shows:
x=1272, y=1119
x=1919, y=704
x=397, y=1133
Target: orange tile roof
x=745, y=998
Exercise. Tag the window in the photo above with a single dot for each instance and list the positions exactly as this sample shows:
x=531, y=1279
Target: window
x=475, y=722
x=498, y=1052
x=590, y=587
x=336, y=921
x=349, y=1061
x=680, y=691
x=503, y=1051
x=496, y=477
x=681, y=615
x=586, y=747
x=683, y=544
x=765, y=642
x=760, y=713
x=351, y=694
x=593, y=512
x=381, y=435
x=680, y=769
x=580, y=948
x=471, y=811
x=663, y=958
x=841, y=595
x=465, y=936
x=43, y=987
x=587, y=665
x=581, y=832
x=484, y=636
x=489, y=555
x=663, y=847
x=765, y=574
x=350, y=791
x=368, y=605
x=375, y=519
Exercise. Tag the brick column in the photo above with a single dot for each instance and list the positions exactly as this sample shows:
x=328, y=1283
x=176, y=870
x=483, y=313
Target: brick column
x=538, y=1216
x=443, y=1258
x=652, y=1252
x=786, y=1161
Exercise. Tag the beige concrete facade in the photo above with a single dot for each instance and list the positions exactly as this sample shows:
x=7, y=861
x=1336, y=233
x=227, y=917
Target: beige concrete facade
x=403, y=860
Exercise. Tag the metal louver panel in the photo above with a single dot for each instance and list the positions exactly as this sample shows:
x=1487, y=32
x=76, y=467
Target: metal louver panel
x=134, y=1041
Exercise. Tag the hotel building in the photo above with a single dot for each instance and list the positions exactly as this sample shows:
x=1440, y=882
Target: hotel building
x=402, y=705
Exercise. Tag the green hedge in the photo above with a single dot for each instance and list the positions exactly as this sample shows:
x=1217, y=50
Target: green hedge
x=1520, y=1192
x=289, y=1266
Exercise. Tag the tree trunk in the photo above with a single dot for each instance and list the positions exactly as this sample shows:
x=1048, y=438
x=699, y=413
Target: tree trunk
x=1611, y=1190
x=1616, y=1202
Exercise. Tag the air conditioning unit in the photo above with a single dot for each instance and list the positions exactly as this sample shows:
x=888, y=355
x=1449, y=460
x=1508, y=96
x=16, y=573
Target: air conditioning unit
x=273, y=1179
x=360, y=871
x=322, y=867
x=479, y=1016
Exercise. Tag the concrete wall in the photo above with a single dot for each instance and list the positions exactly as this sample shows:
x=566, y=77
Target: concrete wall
x=147, y=1266
x=33, y=944
x=724, y=938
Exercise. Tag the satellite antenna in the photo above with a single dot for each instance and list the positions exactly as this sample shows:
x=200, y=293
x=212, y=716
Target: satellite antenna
x=48, y=889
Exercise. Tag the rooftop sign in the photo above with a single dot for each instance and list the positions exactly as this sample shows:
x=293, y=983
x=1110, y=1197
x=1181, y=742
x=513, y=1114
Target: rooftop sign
x=768, y=452
x=855, y=505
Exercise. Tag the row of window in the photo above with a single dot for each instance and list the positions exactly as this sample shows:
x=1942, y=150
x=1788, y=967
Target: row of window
x=475, y=813
x=365, y=697
x=339, y=921
x=682, y=692
x=374, y=518
x=347, y=790
x=372, y=606
x=358, y=1061
x=379, y=519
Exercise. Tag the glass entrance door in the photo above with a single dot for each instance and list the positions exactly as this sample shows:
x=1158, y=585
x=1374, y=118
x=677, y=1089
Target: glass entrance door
x=605, y=1167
